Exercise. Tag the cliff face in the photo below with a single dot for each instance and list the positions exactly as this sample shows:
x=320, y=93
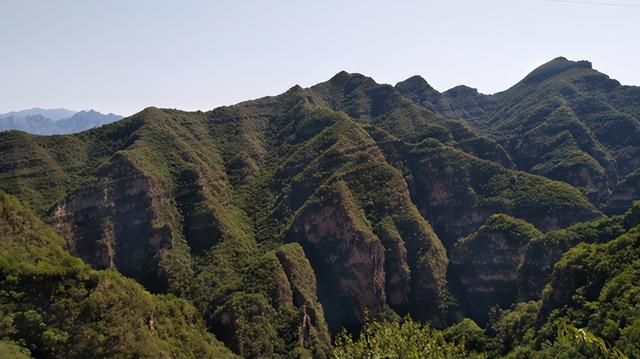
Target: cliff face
x=348, y=255
x=457, y=192
x=490, y=279
x=113, y=223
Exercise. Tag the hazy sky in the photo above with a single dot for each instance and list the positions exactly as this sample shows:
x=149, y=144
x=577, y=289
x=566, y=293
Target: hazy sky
x=124, y=55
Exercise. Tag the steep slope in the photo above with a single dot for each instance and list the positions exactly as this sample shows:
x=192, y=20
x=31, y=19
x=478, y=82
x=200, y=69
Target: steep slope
x=354, y=217
x=596, y=286
x=457, y=192
x=491, y=279
x=158, y=199
x=589, y=307
x=59, y=307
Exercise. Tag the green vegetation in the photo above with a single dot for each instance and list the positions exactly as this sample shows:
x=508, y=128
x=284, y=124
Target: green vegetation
x=274, y=224
x=56, y=306
x=490, y=281
x=12, y=350
x=565, y=121
x=543, y=252
x=398, y=339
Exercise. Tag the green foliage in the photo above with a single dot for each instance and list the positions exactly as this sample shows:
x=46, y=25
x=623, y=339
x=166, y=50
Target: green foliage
x=398, y=339
x=543, y=252
x=515, y=231
x=565, y=121
x=579, y=343
x=59, y=307
x=512, y=329
x=587, y=344
x=469, y=334
x=9, y=349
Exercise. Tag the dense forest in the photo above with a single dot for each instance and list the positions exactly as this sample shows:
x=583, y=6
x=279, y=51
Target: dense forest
x=349, y=219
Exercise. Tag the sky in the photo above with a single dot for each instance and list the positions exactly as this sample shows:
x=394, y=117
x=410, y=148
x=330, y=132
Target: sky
x=121, y=56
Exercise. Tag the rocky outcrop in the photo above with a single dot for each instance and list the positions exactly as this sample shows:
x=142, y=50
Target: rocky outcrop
x=116, y=222
x=313, y=333
x=485, y=264
x=624, y=193
x=348, y=258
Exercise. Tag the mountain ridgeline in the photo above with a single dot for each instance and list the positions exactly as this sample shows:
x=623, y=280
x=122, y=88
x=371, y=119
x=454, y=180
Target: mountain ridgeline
x=273, y=224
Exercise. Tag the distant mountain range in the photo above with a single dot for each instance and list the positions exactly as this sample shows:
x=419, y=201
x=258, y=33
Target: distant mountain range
x=54, y=121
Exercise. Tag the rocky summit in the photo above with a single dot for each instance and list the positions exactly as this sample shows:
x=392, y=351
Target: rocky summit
x=486, y=225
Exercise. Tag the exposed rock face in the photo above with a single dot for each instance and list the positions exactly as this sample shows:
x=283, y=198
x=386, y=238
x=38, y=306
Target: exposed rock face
x=346, y=227
x=457, y=192
x=627, y=191
x=348, y=258
x=201, y=227
x=312, y=329
x=93, y=312
x=112, y=223
x=533, y=274
x=485, y=264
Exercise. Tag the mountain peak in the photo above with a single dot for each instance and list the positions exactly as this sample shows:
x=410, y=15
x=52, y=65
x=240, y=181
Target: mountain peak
x=349, y=82
x=415, y=83
x=554, y=67
x=341, y=74
x=344, y=76
x=462, y=90
x=418, y=90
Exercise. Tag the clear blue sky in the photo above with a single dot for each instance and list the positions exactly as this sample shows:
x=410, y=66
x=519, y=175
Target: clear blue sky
x=124, y=55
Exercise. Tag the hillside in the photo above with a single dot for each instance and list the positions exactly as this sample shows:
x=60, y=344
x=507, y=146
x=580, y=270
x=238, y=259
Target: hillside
x=565, y=121
x=57, y=306
x=279, y=221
